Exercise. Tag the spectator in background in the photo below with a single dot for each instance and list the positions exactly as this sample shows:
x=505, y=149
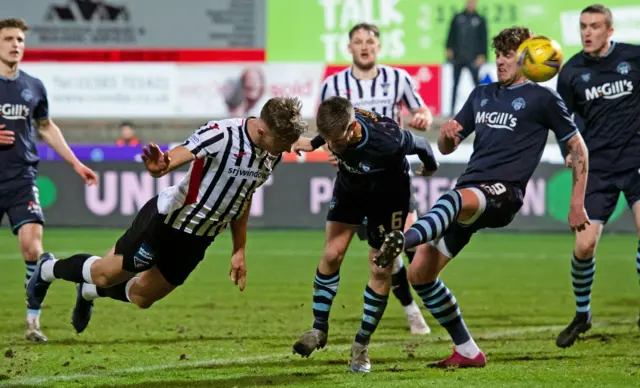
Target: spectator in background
x=127, y=136
x=243, y=94
x=466, y=45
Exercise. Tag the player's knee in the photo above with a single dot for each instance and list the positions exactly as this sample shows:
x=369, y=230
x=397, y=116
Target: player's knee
x=137, y=295
x=30, y=239
x=333, y=257
x=103, y=280
x=422, y=269
x=143, y=303
x=585, y=247
x=31, y=251
x=100, y=281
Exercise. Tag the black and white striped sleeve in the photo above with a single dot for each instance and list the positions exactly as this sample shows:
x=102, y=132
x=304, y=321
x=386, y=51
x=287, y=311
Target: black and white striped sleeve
x=328, y=88
x=207, y=140
x=410, y=95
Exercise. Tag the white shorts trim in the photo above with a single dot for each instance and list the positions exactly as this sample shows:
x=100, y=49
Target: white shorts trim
x=483, y=205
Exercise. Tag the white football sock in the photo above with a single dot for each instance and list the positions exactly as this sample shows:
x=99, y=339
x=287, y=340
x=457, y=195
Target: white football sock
x=86, y=269
x=127, y=288
x=411, y=308
x=468, y=349
x=33, y=316
x=89, y=292
x=46, y=270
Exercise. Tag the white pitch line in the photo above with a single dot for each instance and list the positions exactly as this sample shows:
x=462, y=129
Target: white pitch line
x=252, y=359
x=16, y=256
x=317, y=253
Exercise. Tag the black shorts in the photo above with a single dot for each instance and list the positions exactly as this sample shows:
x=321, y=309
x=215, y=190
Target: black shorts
x=601, y=197
x=362, y=228
x=385, y=206
x=21, y=204
x=149, y=241
x=503, y=203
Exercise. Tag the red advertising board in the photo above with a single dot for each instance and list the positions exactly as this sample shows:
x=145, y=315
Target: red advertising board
x=426, y=77
x=144, y=55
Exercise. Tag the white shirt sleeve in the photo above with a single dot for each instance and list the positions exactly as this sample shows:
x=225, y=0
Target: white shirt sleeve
x=207, y=140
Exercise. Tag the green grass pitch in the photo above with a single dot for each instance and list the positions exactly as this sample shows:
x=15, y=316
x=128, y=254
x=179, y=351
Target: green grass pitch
x=514, y=292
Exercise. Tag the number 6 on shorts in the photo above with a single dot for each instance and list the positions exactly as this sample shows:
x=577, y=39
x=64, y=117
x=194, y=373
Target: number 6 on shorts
x=397, y=221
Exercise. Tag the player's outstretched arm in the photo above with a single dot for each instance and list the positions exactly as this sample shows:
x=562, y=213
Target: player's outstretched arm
x=208, y=140
x=577, y=149
x=52, y=135
x=160, y=163
x=416, y=145
x=306, y=144
x=238, y=271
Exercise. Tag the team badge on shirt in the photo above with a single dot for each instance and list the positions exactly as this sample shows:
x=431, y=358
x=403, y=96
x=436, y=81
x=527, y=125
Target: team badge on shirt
x=27, y=95
x=518, y=104
x=623, y=68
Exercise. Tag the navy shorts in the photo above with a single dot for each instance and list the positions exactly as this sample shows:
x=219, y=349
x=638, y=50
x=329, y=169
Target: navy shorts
x=385, y=206
x=601, y=197
x=150, y=242
x=362, y=228
x=503, y=203
x=22, y=204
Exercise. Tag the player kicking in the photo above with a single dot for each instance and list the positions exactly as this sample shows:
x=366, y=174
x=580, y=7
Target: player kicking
x=511, y=119
x=170, y=234
x=382, y=89
x=373, y=181
x=23, y=102
x=602, y=86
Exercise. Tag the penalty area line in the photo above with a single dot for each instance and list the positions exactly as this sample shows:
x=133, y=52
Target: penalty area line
x=251, y=359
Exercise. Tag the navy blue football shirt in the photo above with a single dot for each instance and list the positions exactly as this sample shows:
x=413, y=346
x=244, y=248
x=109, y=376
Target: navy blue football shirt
x=23, y=99
x=512, y=125
x=605, y=93
x=382, y=149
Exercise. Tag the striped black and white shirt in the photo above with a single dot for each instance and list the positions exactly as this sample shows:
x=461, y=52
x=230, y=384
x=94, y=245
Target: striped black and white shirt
x=220, y=182
x=383, y=94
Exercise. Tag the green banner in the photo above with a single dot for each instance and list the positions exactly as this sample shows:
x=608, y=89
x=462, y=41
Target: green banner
x=415, y=31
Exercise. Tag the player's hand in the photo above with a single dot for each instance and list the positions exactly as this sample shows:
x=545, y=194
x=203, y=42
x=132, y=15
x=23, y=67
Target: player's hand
x=238, y=273
x=480, y=60
x=450, y=129
x=568, y=162
x=88, y=175
x=421, y=121
x=7, y=137
x=303, y=144
x=578, y=218
x=155, y=160
x=426, y=173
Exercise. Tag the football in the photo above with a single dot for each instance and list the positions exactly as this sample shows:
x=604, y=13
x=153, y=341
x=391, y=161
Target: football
x=539, y=58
